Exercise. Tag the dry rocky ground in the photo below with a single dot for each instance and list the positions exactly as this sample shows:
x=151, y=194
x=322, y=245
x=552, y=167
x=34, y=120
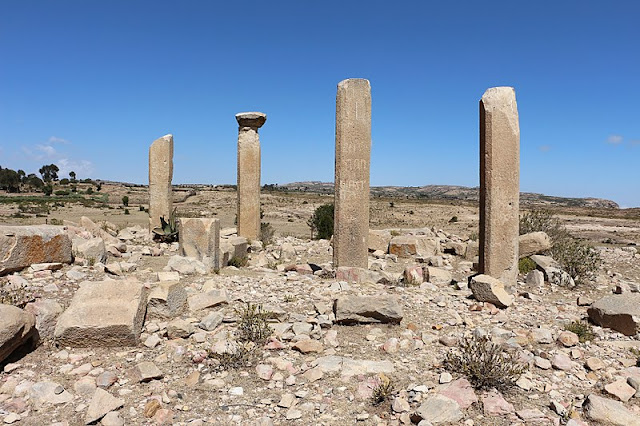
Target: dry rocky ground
x=314, y=371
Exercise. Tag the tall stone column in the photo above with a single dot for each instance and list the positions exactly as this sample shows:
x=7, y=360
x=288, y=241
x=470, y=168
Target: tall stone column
x=160, y=175
x=499, y=184
x=353, y=153
x=249, y=173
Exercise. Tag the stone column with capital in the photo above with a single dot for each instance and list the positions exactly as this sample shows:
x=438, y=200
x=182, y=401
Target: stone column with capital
x=353, y=153
x=248, y=215
x=499, y=184
x=160, y=175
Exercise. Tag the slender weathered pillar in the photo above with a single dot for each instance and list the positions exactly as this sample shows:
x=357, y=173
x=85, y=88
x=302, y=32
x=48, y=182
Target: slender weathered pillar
x=160, y=175
x=353, y=152
x=499, y=184
x=249, y=173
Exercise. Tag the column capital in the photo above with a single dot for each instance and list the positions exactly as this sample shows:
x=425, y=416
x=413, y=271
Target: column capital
x=251, y=119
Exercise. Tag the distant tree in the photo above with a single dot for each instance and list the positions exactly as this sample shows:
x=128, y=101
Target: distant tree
x=9, y=180
x=49, y=172
x=72, y=175
x=47, y=189
x=64, y=181
x=22, y=175
x=321, y=223
x=125, y=201
x=34, y=182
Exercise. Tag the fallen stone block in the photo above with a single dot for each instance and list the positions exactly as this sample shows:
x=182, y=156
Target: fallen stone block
x=489, y=289
x=167, y=299
x=200, y=239
x=533, y=243
x=609, y=411
x=437, y=276
x=93, y=250
x=22, y=246
x=104, y=313
x=17, y=328
x=404, y=246
x=619, y=312
x=46, y=311
x=379, y=240
x=367, y=309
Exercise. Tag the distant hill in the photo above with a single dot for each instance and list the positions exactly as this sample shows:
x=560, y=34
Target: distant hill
x=449, y=192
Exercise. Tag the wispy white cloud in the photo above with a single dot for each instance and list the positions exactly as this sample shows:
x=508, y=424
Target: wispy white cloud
x=83, y=168
x=614, y=139
x=47, y=150
x=55, y=139
x=544, y=148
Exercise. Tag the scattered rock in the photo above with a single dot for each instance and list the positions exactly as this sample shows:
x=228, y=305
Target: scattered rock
x=22, y=246
x=17, y=328
x=489, y=289
x=606, y=410
x=620, y=312
x=367, y=309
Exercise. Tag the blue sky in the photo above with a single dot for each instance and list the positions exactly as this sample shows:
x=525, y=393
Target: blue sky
x=88, y=85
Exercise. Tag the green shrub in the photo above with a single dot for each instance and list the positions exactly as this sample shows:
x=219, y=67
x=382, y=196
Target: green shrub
x=57, y=222
x=321, y=222
x=578, y=258
x=64, y=181
x=125, y=201
x=545, y=221
x=485, y=364
x=526, y=265
x=126, y=211
x=266, y=233
x=89, y=190
x=582, y=329
x=62, y=192
x=47, y=189
x=454, y=219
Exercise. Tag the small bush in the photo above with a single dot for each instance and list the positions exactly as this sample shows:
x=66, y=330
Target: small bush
x=582, y=329
x=253, y=325
x=48, y=190
x=236, y=355
x=125, y=201
x=578, y=258
x=266, y=233
x=485, y=364
x=89, y=190
x=382, y=391
x=62, y=192
x=57, y=222
x=321, y=222
x=141, y=208
x=526, y=265
x=454, y=219
x=545, y=221
x=238, y=261
x=126, y=211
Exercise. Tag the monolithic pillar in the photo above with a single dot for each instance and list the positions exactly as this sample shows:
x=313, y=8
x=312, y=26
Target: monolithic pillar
x=160, y=175
x=353, y=152
x=499, y=184
x=249, y=173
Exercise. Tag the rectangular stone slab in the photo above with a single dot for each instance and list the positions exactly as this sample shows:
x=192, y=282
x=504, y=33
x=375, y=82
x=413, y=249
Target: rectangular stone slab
x=22, y=246
x=106, y=313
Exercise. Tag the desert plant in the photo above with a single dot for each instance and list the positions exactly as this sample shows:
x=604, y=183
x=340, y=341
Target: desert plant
x=582, y=329
x=167, y=232
x=526, y=265
x=126, y=211
x=253, y=325
x=578, y=258
x=236, y=355
x=266, y=233
x=141, y=208
x=545, y=221
x=125, y=200
x=321, y=222
x=89, y=190
x=57, y=222
x=382, y=391
x=238, y=261
x=485, y=364
x=454, y=219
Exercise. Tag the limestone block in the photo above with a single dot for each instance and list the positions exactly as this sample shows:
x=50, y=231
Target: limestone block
x=104, y=313
x=379, y=240
x=17, y=328
x=200, y=239
x=619, y=312
x=21, y=246
x=488, y=289
x=367, y=309
x=404, y=246
x=533, y=243
x=167, y=299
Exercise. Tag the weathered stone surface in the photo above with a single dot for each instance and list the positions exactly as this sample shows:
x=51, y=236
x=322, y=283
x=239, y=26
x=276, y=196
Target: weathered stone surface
x=91, y=250
x=427, y=245
x=200, y=239
x=607, y=410
x=248, y=212
x=46, y=311
x=367, y=309
x=552, y=271
x=186, y=265
x=499, y=184
x=437, y=276
x=17, y=328
x=353, y=153
x=101, y=403
x=167, y=300
x=413, y=275
x=460, y=391
x=533, y=243
x=439, y=409
x=209, y=299
x=48, y=393
x=22, y=246
x=379, y=240
x=404, y=246
x=620, y=312
x=620, y=389
x=160, y=175
x=488, y=289
x=104, y=313
x=232, y=247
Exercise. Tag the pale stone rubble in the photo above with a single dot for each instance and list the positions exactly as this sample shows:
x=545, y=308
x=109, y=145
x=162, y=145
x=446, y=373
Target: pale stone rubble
x=189, y=314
